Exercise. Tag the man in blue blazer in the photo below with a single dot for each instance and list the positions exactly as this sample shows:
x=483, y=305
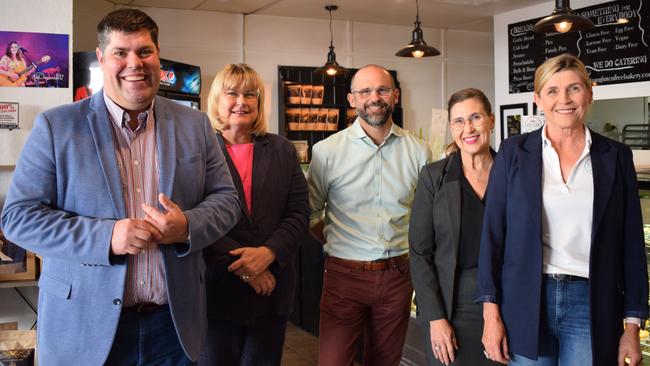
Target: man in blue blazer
x=123, y=277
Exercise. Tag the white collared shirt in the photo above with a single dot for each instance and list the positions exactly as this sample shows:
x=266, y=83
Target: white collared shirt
x=567, y=211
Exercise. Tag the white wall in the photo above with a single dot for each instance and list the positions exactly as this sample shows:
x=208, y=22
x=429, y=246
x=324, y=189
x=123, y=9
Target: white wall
x=501, y=22
x=52, y=17
x=211, y=39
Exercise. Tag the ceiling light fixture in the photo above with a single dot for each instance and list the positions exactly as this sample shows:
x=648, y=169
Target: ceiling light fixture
x=563, y=20
x=331, y=67
x=418, y=47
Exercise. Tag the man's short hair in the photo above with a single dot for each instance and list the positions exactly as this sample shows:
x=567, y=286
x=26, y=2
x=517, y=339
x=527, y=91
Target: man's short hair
x=126, y=20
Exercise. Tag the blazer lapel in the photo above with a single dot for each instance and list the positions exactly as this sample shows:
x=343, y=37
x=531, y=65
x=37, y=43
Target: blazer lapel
x=166, y=147
x=261, y=160
x=101, y=130
x=530, y=165
x=451, y=191
x=603, y=162
x=236, y=179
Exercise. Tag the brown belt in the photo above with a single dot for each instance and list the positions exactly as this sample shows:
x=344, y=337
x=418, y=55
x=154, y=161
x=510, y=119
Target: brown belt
x=145, y=307
x=376, y=265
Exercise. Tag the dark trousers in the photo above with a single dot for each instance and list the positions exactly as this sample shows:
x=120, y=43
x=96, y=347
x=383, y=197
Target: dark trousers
x=147, y=339
x=467, y=321
x=373, y=303
x=257, y=344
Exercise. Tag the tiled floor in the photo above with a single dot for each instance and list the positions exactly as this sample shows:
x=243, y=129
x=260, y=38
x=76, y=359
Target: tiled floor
x=300, y=348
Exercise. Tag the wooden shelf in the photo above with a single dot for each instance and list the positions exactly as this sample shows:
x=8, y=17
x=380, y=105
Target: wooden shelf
x=13, y=284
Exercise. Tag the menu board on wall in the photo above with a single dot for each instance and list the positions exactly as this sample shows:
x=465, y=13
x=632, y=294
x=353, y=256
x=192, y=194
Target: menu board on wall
x=615, y=51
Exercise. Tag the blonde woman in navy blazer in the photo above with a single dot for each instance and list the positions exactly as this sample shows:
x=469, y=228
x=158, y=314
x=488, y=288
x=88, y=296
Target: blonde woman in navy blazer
x=251, y=272
x=548, y=300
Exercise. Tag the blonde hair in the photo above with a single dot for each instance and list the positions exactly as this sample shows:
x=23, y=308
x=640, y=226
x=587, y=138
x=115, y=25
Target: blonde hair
x=238, y=77
x=560, y=63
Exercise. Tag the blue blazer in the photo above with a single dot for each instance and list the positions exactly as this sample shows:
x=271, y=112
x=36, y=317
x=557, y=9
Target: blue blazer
x=64, y=200
x=279, y=220
x=510, y=260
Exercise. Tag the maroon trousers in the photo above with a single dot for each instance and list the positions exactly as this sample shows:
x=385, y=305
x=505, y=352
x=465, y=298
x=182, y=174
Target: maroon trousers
x=373, y=303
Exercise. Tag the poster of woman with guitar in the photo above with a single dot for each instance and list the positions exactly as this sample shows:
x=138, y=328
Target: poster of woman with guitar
x=34, y=60
x=13, y=66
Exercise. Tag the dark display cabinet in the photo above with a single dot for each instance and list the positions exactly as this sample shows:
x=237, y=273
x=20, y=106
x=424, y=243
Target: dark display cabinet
x=302, y=117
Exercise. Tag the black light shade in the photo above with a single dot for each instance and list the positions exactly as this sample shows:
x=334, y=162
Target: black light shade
x=563, y=20
x=331, y=67
x=418, y=47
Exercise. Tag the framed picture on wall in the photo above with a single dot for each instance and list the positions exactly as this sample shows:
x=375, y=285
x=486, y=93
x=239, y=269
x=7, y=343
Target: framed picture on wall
x=512, y=116
x=16, y=263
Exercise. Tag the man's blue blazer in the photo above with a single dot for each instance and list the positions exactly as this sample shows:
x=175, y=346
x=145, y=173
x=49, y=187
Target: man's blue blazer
x=64, y=200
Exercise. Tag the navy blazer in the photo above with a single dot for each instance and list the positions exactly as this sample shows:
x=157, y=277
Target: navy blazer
x=510, y=260
x=64, y=200
x=280, y=218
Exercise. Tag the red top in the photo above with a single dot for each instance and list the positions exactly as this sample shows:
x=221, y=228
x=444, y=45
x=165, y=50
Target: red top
x=242, y=156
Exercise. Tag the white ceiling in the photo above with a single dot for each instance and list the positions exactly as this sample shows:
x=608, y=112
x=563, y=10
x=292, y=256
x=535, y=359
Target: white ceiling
x=473, y=15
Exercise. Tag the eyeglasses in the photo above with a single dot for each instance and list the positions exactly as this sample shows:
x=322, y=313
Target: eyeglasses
x=382, y=91
x=475, y=120
x=248, y=95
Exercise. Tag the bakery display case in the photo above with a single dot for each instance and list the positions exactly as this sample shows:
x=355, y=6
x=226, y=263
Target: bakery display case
x=644, y=196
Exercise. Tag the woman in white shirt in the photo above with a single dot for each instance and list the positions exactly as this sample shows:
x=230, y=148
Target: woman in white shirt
x=562, y=259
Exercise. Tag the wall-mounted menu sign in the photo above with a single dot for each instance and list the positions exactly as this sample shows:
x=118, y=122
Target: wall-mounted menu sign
x=615, y=51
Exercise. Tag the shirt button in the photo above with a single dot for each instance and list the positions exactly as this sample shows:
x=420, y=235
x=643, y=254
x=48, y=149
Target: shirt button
x=117, y=302
x=135, y=162
x=141, y=282
x=138, y=190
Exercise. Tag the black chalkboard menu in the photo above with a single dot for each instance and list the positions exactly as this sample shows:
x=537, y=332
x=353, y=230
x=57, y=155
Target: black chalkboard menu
x=615, y=51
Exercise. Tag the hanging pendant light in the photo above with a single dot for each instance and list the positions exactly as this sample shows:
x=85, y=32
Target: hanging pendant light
x=563, y=20
x=331, y=67
x=418, y=47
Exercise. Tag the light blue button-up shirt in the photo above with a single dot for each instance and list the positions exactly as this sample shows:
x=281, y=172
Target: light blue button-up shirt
x=364, y=192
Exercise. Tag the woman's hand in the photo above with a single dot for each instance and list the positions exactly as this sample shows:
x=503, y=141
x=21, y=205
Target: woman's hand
x=629, y=347
x=263, y=283
x=443, y=340
x=494, y=334
x=252, y=260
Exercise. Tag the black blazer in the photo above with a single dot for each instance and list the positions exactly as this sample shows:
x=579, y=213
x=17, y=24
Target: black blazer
x=279, y=220
x=434, y=234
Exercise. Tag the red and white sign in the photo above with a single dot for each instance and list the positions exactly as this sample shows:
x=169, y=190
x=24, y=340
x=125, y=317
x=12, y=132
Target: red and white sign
x=8, y=115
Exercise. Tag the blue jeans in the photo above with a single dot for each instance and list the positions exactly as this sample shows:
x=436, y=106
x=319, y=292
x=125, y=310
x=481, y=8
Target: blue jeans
x=565, y=329
x=147, y=339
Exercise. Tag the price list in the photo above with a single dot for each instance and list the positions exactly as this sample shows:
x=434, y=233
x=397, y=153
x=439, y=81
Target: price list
x=615, y=51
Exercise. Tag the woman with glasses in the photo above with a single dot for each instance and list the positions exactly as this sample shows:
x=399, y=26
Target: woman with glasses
x=446, y=221
x=562, y=269
x=250, y=272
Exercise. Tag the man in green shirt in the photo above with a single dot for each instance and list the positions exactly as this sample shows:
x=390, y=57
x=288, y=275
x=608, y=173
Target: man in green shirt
x=361, y=186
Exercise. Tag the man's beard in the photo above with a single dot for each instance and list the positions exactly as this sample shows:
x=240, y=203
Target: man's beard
x=376, y=119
